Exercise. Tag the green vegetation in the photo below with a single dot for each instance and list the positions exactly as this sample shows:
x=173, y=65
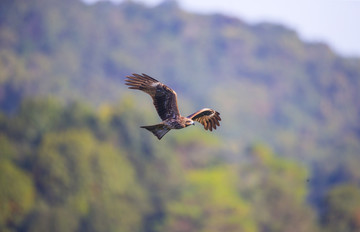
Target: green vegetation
x=343, y=208
x=209, y=202
x=82, y=170
x=72, y=155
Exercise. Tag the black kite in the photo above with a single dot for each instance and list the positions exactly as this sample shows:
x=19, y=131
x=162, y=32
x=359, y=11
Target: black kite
x=164, y=99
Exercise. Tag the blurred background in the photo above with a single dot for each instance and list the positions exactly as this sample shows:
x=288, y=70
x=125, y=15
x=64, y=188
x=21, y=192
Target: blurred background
x=72, y=155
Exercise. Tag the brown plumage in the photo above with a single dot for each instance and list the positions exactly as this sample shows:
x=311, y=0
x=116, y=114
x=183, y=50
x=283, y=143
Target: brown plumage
x=165, y=102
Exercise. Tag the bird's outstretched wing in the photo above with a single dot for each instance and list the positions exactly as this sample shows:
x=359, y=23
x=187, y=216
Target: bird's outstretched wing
x=164, y=98
x=208, y=117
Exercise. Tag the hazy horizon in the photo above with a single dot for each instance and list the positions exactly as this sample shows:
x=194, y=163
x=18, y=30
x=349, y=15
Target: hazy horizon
x=333, y=22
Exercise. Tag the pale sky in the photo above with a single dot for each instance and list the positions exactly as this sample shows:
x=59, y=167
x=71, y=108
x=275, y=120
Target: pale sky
x=336, y=22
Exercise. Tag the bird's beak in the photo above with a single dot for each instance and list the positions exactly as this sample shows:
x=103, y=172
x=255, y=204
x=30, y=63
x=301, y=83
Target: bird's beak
x=193, y=123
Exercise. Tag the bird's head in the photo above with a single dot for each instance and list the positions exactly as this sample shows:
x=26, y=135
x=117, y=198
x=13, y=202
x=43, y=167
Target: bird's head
x=189, y=122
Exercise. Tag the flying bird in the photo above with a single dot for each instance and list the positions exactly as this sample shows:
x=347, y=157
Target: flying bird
x=165, y=102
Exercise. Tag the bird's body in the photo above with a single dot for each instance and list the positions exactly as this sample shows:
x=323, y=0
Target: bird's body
x=165, y=101
x=178, y=122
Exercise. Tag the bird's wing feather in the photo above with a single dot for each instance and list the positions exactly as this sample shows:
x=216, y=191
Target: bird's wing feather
x=207, y=117
x=164, y=98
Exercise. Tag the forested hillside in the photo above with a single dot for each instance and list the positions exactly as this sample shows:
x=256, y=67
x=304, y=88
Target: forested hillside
x=72, y=155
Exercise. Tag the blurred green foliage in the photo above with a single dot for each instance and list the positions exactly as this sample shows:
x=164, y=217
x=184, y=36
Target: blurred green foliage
x=343, y=208
x=72, y=155
x=210, y=202
x=81, y=173
x=16, y=195
x=283, y=190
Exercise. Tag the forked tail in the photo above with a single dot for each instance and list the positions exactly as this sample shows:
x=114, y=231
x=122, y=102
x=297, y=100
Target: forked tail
x=159, y=130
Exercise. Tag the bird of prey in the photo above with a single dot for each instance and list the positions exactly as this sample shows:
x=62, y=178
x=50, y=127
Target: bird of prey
x=164, y=99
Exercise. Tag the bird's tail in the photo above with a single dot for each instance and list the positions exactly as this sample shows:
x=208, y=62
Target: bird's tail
x=159, y=130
